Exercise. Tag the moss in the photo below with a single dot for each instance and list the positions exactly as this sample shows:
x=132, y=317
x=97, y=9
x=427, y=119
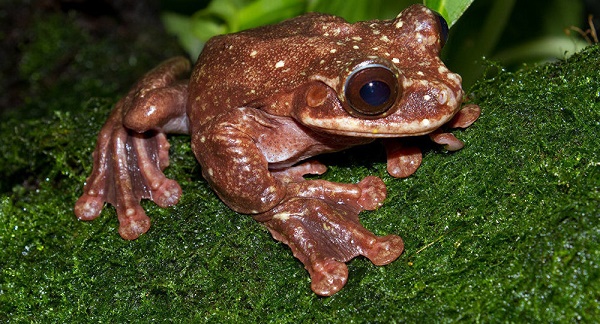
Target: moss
x=506, y=229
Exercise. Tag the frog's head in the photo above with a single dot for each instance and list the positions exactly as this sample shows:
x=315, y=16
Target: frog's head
x=391, y=83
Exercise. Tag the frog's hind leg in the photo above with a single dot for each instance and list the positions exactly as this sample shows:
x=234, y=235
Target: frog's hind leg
x=132, y=150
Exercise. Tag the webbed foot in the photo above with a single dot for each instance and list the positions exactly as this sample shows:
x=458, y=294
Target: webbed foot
x=323, y=230
x=126, y=170
x=132, y=150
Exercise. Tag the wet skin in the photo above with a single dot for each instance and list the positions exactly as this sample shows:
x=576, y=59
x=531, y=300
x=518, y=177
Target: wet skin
x=260, y=104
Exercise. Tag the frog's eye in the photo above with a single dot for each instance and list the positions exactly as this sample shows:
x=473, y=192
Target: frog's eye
x=371, y=91
x=443, y=27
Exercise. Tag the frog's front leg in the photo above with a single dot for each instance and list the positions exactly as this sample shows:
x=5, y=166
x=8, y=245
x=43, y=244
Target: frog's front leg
x=317, y=219
x=319, y=222
x=402, y=161
x=132, y=150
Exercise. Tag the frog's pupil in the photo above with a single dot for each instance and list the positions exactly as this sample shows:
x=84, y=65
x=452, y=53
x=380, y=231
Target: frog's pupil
x=375, y=93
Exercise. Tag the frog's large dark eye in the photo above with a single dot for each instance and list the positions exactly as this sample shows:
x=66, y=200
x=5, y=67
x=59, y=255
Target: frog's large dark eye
x=371, y=91
x=444, y=30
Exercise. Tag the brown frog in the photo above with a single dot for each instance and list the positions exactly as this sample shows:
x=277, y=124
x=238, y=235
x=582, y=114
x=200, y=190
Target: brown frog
x=260, y=103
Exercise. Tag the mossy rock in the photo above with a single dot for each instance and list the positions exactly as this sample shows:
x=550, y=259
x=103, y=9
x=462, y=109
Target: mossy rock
x=507, y=229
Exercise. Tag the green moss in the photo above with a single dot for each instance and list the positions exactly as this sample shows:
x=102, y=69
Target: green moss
x=506, y=229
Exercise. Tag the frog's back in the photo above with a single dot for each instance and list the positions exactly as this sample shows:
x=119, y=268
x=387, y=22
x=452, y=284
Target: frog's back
x=240, y=68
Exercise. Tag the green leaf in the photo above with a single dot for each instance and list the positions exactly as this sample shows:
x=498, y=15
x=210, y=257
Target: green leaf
x=265, y=12
x=450, y=10
x=181, y=26
x=356, y=10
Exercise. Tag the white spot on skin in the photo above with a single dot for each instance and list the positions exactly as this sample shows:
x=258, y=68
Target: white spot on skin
x=202, y=139
x=253, y=53
x=355, y=47
x=419, y=38
x=395, y=60
x=151, y=110
x=375, y=48
x=399, y=24
x=424, y=83
x=357, y=38
x=385, y=38
x=420, y=73
x=425, y=122
x=282, y=216
x=454, y=77
x=332, y=51
x=426, y=97
x=279, y=64
x=210, y=172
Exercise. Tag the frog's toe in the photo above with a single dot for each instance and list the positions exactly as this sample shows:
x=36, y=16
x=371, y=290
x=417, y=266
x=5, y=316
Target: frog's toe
x=296, y=173
x=373, y=193
x=328, y=277
x=448, y=140
x=385, y=249
x=465, y=117
x=133, y=222
x=88, y=207
x=167, y=194
x=402, y=161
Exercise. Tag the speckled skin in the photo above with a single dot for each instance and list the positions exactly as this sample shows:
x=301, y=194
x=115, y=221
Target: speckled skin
x=261, y=102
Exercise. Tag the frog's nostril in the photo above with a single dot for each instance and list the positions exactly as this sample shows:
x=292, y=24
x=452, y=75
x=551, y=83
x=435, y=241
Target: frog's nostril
x=371, y=91
x=442, y=97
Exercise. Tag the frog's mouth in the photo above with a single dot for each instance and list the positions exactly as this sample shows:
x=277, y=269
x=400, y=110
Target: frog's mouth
x=355, y=127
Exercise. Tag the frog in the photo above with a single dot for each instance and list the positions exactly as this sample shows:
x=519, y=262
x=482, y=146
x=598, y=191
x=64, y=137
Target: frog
x=260, y=105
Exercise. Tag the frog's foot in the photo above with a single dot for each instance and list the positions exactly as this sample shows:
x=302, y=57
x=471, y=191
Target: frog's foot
x=463, y=119
x=402, y=161
x=323, y=231
x=132, y=150
x=128, y=167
